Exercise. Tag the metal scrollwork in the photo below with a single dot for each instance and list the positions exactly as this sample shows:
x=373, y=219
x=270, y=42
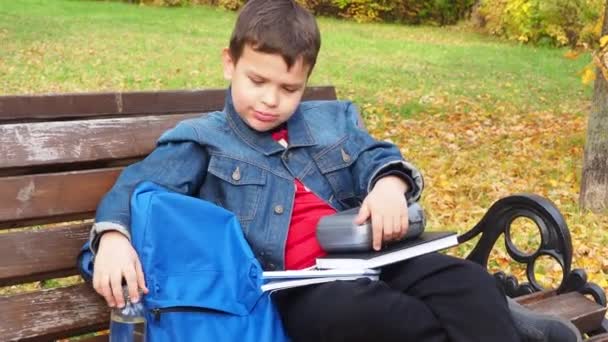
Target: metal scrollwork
x=512, y=286
x=555, y=243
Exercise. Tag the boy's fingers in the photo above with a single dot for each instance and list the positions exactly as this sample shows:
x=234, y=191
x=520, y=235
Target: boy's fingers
x=377, y=232
x=95, y=282
x=363, y=214
x=106, y=291
x=141, y=280
x=131, y=279
x=396, y=221
x=116, y=284
x=387, y=228
x=396, y=228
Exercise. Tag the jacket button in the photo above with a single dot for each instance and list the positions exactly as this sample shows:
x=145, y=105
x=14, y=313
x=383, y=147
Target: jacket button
x=345, y=156
x=236, y=175
x=278, y=209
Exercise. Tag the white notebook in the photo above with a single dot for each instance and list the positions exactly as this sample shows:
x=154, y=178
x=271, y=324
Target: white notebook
x=278, y=280
x=427, y=242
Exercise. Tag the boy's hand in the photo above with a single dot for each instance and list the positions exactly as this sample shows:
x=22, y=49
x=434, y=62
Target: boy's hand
x=116, y=259
x=387, y=206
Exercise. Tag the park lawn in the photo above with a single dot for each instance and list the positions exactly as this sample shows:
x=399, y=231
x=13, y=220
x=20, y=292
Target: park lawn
x=483, y=118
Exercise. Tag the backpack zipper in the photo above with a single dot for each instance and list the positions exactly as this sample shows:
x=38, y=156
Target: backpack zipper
x=157, y=312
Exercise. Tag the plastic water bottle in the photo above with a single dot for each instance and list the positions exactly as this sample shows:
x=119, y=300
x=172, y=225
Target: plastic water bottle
x=127, y=324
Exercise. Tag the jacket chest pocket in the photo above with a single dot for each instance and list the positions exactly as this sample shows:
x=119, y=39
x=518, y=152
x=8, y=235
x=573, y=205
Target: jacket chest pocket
x=239, y=186
x=335, y=164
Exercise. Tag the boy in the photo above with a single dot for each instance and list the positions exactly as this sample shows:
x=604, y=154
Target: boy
x=280, y=165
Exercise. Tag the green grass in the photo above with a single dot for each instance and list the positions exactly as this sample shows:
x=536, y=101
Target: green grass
x=67, y=46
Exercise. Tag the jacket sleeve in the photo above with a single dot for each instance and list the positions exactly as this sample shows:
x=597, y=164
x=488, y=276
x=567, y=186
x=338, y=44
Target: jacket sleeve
x=378, y=159
x=178, y=163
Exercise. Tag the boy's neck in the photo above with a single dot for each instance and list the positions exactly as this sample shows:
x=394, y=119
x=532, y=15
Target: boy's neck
x=277, y=129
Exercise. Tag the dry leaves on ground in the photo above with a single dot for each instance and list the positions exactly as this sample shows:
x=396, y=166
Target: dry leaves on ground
x=472, y=157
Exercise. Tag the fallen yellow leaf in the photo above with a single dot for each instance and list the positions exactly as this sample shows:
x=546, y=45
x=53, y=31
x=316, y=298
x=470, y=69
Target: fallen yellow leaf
x=588, y=76
x=603, y=41
x=572, y=54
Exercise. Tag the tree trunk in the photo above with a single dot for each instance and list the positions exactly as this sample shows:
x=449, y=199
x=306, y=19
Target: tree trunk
x=594, y=182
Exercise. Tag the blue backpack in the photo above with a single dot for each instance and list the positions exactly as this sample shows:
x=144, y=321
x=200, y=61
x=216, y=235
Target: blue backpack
x=203, y=278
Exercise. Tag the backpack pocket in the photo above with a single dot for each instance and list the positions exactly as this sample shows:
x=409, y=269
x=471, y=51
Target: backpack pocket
x=190, y=308
x=207, y=289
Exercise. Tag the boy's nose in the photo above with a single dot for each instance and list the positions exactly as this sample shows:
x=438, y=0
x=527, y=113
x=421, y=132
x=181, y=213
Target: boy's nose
x=271, y=98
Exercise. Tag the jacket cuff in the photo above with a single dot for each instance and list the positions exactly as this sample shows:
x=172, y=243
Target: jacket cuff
x=99, y=228
x=406, y=171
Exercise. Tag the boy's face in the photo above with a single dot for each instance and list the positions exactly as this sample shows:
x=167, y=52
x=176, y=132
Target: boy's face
x=264, y=92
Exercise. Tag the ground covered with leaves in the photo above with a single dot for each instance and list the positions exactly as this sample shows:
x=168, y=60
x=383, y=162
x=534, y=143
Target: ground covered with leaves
x=471, y=159
x=482, y=118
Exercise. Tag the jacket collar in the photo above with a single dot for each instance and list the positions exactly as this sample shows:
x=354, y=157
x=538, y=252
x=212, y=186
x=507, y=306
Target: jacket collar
x=297, y=129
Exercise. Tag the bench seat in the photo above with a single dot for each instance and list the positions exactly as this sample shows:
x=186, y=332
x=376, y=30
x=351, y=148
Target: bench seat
x=60, y=153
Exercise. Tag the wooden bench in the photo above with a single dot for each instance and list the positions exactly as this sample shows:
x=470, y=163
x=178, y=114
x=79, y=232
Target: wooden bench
x=60, y=153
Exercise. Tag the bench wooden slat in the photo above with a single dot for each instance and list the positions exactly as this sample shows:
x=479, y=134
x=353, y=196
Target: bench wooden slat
x=98, y=338
x=598, y=338
x=585, y=314
x=535, y=297
x=44, y=107
x=39, y=254
x=54, y=313
x=62, y=142
x=51, y=106
x=53, y=197
x=177, y=101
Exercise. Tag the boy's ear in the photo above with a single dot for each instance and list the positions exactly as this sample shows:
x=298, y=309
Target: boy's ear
x=228, y=63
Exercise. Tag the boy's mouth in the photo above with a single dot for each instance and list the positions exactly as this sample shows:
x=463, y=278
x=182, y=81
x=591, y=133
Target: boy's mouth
x=265, y=117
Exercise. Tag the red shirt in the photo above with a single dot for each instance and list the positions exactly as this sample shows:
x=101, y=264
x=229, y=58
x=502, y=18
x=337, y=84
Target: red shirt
x=302, y=247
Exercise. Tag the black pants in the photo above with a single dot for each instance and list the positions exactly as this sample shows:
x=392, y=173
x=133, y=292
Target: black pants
x=430, y=298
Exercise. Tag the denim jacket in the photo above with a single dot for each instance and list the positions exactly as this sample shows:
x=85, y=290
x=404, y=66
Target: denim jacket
x=218, y=158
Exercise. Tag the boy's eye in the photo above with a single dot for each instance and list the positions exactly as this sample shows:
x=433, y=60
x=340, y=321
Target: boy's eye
x=290, y=90
x=256, y=81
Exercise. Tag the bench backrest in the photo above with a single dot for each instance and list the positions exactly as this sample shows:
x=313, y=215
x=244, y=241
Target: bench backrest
x=58, y=155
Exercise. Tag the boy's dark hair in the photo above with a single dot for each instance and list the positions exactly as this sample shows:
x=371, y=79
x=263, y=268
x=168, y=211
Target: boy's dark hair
x=277, y=26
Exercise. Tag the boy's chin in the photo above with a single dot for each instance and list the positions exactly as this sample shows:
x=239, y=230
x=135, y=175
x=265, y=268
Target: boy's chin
x=262, y=127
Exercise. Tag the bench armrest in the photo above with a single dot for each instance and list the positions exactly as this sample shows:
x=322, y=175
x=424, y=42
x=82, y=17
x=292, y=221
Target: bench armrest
x=555, y=243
